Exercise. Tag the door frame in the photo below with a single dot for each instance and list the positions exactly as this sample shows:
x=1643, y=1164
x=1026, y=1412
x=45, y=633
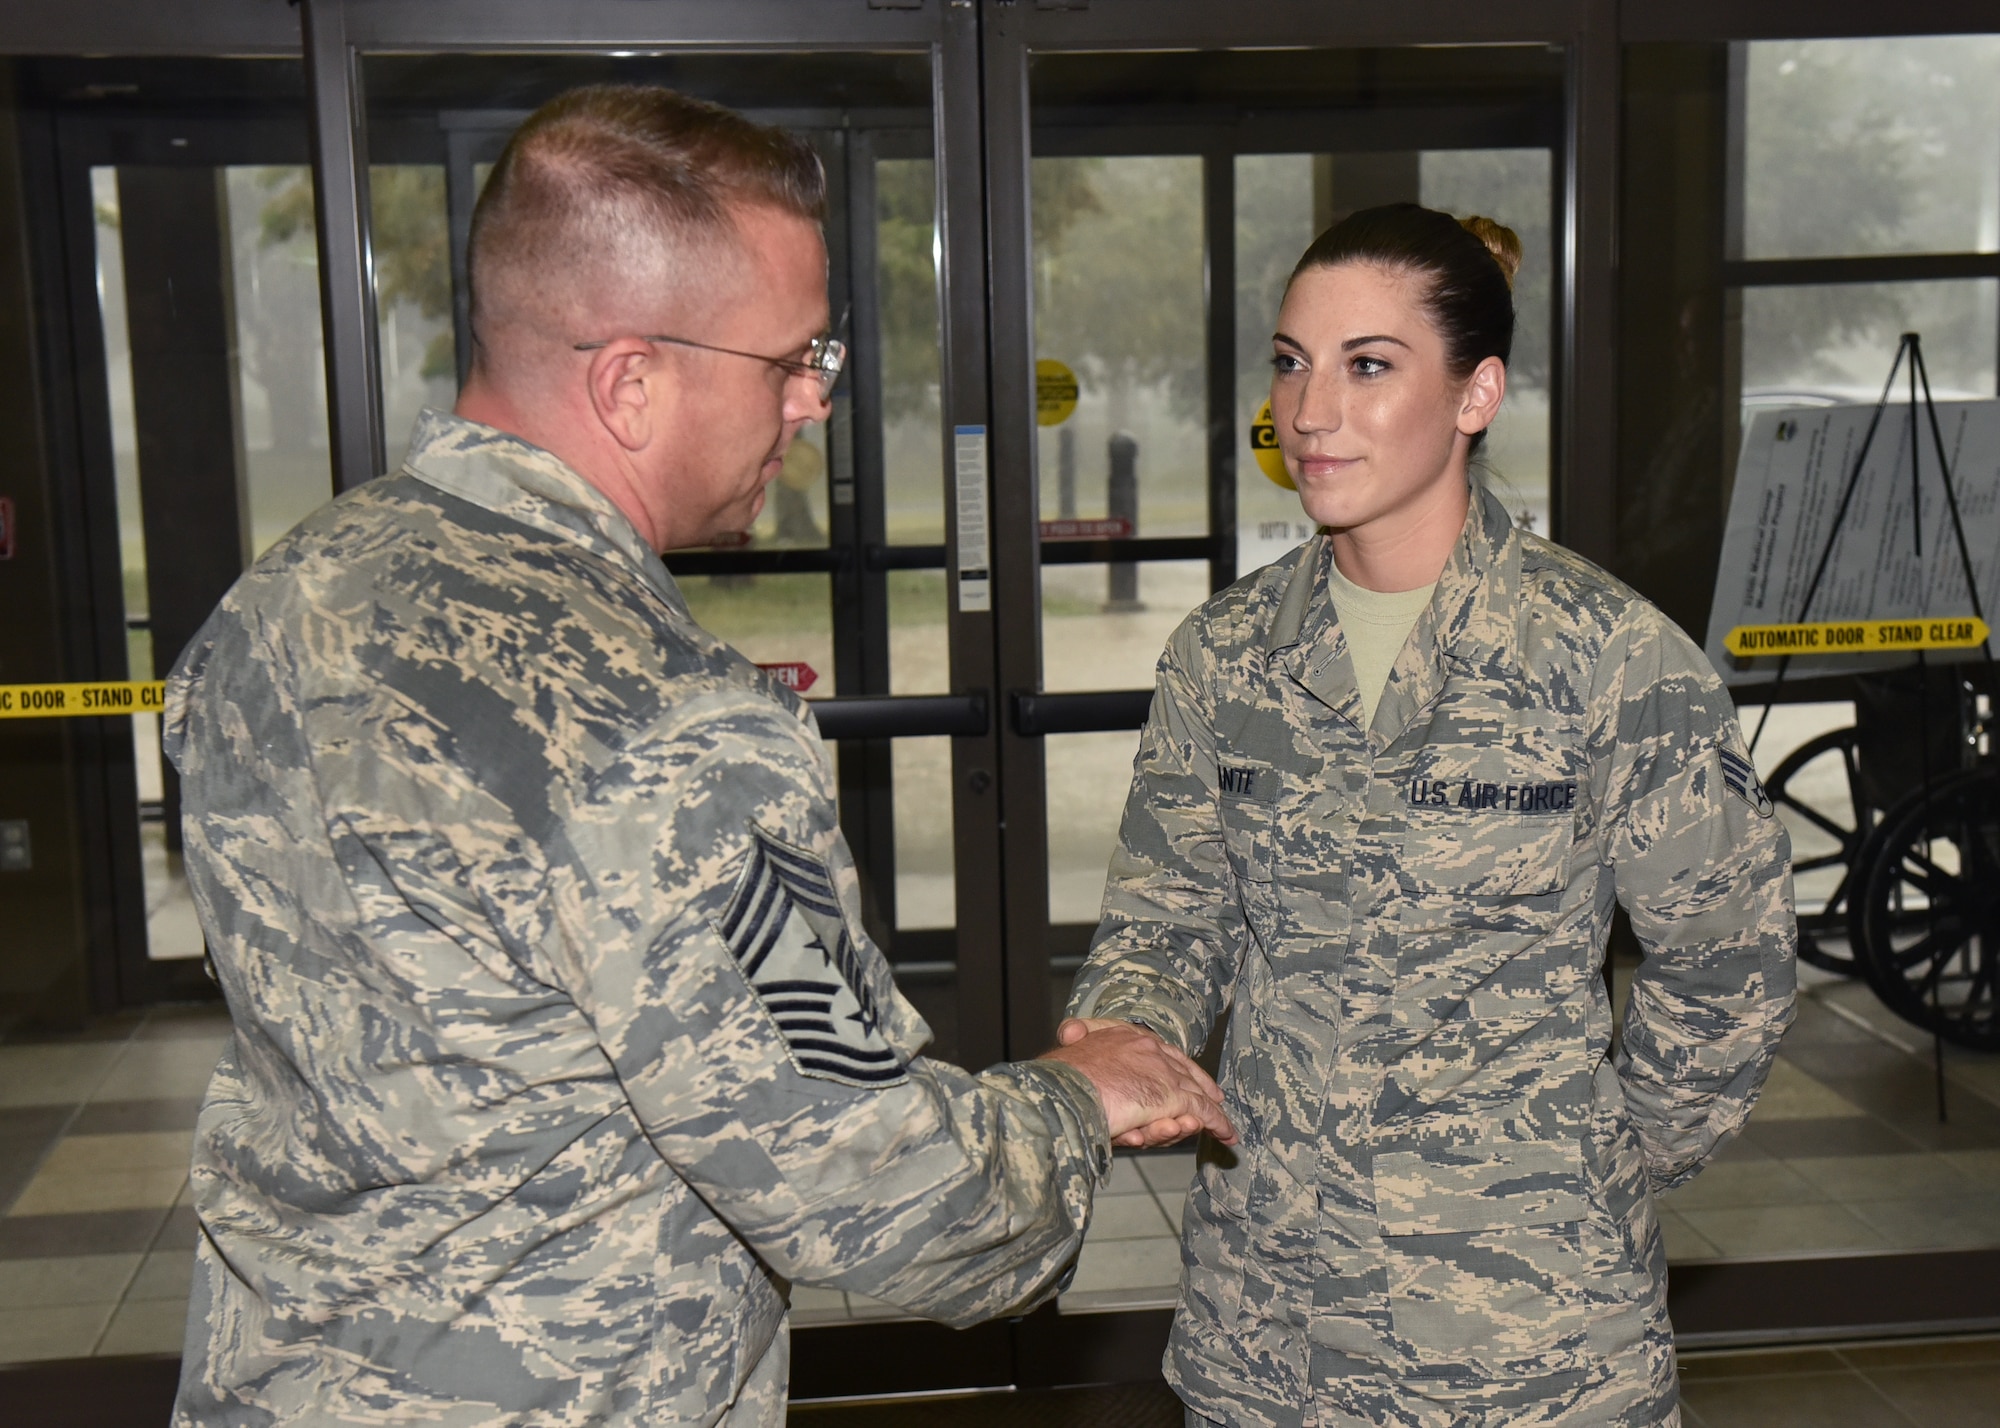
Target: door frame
x=122, y=972
x=337, y=34
x=1582, y=441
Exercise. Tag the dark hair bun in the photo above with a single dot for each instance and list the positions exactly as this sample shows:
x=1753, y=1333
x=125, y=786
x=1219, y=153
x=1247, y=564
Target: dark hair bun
x=1500, y=240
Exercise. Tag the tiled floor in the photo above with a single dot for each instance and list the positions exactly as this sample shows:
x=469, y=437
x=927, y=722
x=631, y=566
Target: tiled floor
x=1934, y=1384
x=1952, y=1383
x=1845, y=1152
x=96, y=1238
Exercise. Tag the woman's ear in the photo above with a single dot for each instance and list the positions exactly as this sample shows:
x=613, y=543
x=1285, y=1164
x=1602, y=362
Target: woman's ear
x=1484, y=391
x=620, y=394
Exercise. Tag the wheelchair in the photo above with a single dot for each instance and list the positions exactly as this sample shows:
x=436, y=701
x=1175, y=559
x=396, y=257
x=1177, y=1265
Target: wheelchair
x=1901, y=815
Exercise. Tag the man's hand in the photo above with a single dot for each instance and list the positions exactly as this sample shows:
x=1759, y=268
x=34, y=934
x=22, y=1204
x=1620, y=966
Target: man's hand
x=1152, y=1094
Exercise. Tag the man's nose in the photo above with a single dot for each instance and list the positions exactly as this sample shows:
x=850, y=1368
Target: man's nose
x=805, y=402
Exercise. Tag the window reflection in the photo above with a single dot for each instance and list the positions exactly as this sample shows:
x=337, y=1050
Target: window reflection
x=1811, y=345
x=411, y=238
x=1119, y=300
x=1872, y=146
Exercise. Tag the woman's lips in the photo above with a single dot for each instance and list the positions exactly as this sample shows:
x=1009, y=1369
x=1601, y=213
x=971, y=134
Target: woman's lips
x=1324, y=466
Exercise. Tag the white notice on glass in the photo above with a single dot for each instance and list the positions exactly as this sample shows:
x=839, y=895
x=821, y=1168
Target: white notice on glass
x=1789, y=481
x=975, y=578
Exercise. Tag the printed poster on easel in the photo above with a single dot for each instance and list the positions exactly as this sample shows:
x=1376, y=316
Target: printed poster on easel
x=1789, y=479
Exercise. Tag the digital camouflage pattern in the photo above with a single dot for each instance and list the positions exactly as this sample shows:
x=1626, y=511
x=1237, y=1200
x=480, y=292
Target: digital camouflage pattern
x=1441, y=1208
x=500, y=858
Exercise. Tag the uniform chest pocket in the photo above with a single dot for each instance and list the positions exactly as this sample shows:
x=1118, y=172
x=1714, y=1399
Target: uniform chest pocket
x=1487, y=1277
x=1495, y=870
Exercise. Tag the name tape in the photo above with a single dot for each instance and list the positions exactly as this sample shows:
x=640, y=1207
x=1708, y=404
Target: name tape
x=77, y=701
x=1857, y=637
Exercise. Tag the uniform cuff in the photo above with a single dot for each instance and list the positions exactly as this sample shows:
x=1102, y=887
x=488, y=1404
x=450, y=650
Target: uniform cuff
x=1163, y=1019
x=1080, y=1093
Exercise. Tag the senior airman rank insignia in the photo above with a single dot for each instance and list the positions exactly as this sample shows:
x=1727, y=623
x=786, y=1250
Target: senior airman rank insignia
x=785, y=928
x=1741, y=780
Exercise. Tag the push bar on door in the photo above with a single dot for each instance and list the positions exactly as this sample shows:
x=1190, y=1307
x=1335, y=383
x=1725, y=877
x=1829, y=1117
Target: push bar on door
x=1096, y=712
x=903, y=716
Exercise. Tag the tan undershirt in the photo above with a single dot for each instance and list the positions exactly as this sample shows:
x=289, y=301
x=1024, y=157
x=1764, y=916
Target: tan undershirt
x=1377, y=624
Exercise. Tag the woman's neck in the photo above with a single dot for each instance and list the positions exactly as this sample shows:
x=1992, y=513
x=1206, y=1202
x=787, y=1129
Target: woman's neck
x=1409, y=549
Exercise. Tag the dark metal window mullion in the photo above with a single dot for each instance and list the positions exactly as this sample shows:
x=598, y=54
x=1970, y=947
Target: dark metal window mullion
x=985, y=863
x=335, y=107
x=1585, y=395
x=1218, y=190
x=855, y=522
x=461, y=192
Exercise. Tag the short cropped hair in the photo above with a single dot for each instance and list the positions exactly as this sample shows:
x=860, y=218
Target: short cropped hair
x=623, y=192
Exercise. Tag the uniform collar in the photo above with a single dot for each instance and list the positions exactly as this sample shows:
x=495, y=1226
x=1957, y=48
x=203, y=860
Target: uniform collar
x=516, y=479
x=1471, y=622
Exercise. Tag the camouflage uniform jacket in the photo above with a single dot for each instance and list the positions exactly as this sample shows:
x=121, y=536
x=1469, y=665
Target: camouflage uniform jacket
x=558, y=1048
x=1440, y=1211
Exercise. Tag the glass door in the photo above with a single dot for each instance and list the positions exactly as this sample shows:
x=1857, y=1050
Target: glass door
x=844, y=587
x=1160, y=244
x=1168, y=196
x=201, y=382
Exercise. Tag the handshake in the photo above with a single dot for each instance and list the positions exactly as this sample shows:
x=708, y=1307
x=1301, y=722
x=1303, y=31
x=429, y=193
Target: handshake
x=1152, y=1093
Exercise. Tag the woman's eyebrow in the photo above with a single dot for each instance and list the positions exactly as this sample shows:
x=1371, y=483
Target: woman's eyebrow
x=1353, y=342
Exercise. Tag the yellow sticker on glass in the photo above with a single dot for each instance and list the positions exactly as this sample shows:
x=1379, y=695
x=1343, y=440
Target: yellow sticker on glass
x=1264, y=442
x=1055, y=392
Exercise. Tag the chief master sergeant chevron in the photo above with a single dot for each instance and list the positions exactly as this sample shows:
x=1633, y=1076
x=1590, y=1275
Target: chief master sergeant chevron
x=558, y=1053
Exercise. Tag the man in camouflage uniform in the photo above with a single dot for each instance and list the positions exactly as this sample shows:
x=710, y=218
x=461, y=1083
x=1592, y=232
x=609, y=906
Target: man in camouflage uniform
x=559, y=1051
x=1441, y=1209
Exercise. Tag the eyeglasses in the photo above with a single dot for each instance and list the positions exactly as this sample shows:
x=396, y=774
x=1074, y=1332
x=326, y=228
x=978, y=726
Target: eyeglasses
x=825, y=356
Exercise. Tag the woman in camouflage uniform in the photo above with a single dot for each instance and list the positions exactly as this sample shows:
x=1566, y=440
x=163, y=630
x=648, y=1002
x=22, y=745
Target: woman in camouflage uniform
x=1390, y=792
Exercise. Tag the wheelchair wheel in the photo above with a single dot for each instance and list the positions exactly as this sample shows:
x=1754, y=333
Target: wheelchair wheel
x=1820, y=783
x=1924, y=911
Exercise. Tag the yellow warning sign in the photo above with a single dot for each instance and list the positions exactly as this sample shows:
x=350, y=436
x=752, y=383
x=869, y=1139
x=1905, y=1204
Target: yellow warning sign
x=75, y=701
x=1055, y=392
x=1952, y=632
x=1264, y=443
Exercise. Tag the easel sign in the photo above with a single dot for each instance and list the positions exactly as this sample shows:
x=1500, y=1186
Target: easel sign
x=1791, y=479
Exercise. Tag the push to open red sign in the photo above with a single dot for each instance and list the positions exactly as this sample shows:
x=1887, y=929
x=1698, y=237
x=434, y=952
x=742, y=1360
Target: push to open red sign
x=1113, y=528
x=796, y=675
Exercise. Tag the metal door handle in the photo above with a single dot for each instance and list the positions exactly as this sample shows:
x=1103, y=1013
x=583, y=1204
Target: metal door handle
x=1099, y=711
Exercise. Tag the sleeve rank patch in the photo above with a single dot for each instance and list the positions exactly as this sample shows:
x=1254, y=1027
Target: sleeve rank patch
x=784, y=927
x=1741, y=780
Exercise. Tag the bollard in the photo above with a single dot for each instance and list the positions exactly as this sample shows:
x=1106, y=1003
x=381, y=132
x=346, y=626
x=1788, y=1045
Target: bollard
x=1066, y=472
x=1121, y=498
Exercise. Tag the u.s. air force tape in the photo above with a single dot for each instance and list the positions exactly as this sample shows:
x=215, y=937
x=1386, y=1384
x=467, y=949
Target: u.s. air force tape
x=77, y=701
